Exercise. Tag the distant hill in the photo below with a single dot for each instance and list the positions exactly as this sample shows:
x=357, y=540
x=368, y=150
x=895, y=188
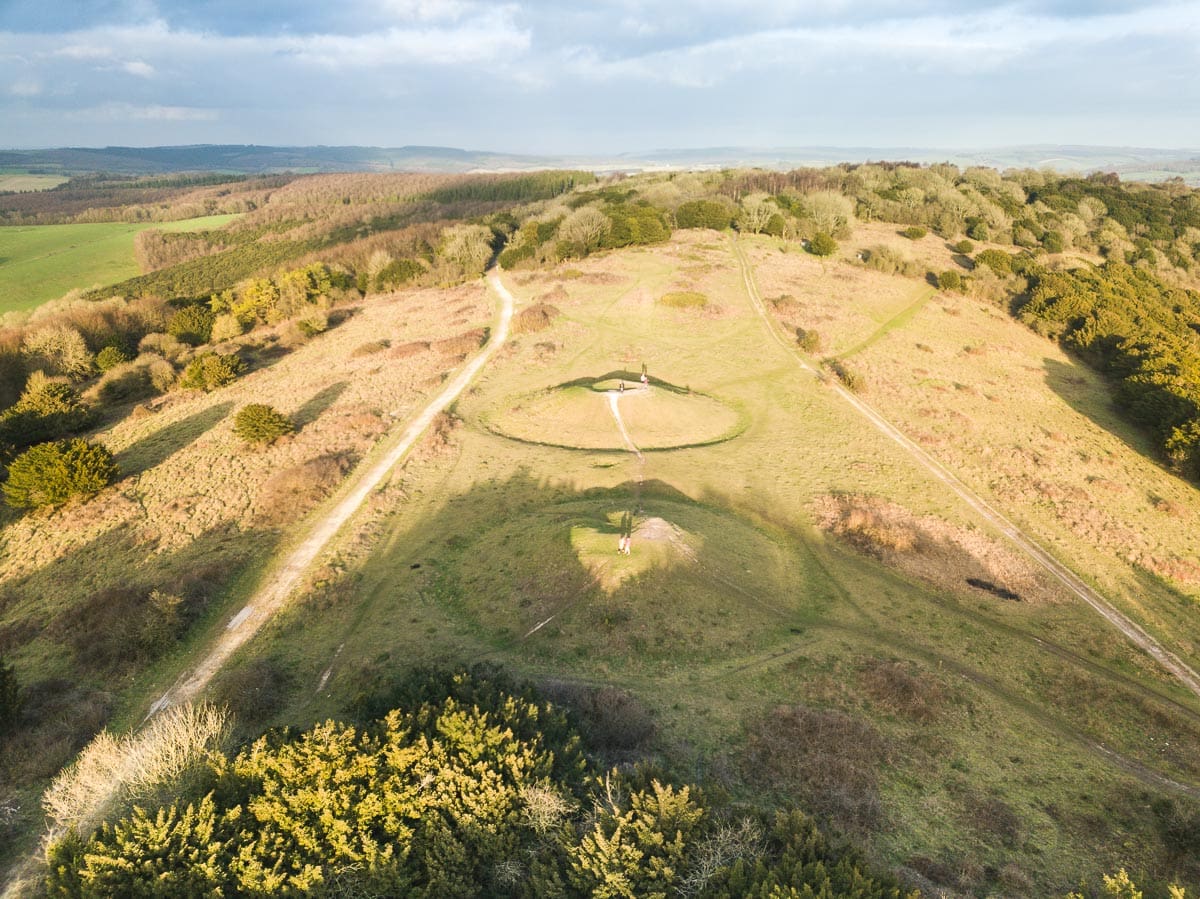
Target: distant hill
x=1132, y=163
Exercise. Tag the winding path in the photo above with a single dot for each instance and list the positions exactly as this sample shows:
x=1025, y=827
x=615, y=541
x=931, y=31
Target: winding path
x=278, y=587
x=1134, y=632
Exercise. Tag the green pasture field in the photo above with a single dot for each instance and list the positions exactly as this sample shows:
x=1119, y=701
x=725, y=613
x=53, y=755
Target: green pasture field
x=22, y=181
x=1021, y=747
x=43, y=262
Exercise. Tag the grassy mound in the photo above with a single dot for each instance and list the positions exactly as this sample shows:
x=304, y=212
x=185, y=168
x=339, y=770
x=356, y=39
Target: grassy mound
x=698, y=584
x=578, y=416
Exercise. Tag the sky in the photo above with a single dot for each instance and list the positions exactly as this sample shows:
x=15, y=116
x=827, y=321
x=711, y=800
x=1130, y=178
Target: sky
x=600, y=76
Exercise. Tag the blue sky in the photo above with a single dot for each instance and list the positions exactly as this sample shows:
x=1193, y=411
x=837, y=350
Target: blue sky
x=600, y=77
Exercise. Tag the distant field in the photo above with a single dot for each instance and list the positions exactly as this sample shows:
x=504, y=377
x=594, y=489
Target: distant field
x=18, y=181
x=43, y=262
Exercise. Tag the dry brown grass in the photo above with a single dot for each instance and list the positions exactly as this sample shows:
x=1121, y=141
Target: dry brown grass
x=461, y=344
x=112, y=769
x=297, y=489
x=535, y=318
x=410, y=349
x=932, y=549
x=824, y=760
x=902, y=689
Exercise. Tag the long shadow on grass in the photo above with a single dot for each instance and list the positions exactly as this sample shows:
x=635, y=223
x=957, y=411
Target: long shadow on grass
x=631, y=378
x=318, y=403
x=1088, y=394
x=527, y=569
x=162, y=444
x=79, y=629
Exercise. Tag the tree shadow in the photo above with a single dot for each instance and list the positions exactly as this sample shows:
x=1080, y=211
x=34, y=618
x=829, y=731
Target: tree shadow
x=85, y=626
x=162, y=444
x=1091, y=395
x=318, y=403
x=630, y=378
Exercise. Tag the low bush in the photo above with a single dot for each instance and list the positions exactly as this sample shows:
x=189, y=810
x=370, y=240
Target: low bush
x=49, y=474
x=125, y=382
x=915, y=232
x=210, y=371
x=997, y=260
x=705, y=214
x=890, y=261
x=965, y=247
x=110, y=357
x=192, y=324
x=848, y=376
x=46, y=410
x=821, y=244
x=808, y=340
x=950, y=280
x=262, y=424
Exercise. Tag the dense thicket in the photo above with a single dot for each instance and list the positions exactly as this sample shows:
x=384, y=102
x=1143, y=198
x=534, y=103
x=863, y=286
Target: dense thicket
x=1143, y=333
x=116, y=198
x=511, y=188
x=477, y=790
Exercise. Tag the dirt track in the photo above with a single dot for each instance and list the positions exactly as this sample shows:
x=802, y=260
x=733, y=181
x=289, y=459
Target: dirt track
x=283, y=580
x=1019, y=538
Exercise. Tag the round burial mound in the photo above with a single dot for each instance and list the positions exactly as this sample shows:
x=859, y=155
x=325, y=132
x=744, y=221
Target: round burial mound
x=698, y=584
x=579, y=416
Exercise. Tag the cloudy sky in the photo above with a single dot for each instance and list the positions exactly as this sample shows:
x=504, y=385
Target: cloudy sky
x=600, y=76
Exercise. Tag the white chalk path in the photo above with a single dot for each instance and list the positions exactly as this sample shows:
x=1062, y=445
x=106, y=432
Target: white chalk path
x=1134, y=632
x=613, y=397
x=271, y=597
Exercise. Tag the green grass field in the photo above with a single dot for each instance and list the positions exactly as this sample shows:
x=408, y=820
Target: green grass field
x=22, y=181
x=989, y=774
x=43, y=262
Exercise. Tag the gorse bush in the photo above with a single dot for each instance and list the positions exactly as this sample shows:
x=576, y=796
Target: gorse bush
x=192, y=324
x=210, y=371
x=821, y=244
x=110, y=357
x=483, y=791
x=46, y=410
x=260, y=423
x=49, y=474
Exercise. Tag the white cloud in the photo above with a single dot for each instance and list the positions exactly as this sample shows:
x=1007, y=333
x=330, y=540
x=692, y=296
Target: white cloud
x=25, y=88
x=959, y=44
x=121, y=112
x=138, y=68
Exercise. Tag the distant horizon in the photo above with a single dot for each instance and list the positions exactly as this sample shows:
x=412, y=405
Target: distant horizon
x=695, y=148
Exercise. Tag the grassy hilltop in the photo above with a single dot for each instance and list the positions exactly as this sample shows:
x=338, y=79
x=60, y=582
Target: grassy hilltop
x=807, y=615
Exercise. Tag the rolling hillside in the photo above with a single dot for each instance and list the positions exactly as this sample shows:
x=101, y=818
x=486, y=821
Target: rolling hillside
x=807, y=612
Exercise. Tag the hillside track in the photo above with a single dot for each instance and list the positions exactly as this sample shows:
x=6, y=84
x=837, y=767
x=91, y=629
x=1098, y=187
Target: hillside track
x=1132, y=631
x=274, y=592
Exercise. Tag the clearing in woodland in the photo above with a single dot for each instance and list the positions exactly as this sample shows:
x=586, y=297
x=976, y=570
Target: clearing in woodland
x=44, y=262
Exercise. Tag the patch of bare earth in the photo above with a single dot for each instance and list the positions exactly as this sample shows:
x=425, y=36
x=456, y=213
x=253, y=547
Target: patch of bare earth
x=955, y=559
